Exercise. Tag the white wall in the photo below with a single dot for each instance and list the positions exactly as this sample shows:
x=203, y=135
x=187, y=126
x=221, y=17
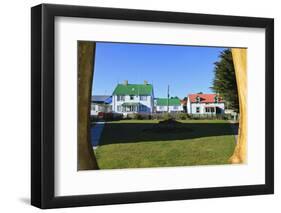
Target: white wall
x=15, y=89
x=148, y=102
x=171, y=108
x=202, y=106
x=96, y=108
x=188, y=106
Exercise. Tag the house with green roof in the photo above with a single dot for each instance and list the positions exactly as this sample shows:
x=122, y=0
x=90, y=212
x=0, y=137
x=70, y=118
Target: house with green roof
x=133, y=98
x=168, y=105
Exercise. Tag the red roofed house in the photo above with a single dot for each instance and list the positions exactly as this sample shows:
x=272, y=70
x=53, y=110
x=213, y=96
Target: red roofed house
x=205, y=104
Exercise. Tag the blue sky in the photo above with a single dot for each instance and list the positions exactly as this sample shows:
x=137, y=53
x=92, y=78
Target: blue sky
x=187, y=69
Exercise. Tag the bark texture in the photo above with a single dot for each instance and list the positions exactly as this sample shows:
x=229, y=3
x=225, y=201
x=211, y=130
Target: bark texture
x=86, y=56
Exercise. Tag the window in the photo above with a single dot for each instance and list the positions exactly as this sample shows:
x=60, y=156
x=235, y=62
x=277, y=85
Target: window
x=120, y=98
x=119, y=108
x=197, y=99
x=175, y=107
x=143, y=98
x=142, y=108
x=93, y=107
x=130, y=108
x=131, y=97
x=210, y=109
x=161, y=108
x=197, y=109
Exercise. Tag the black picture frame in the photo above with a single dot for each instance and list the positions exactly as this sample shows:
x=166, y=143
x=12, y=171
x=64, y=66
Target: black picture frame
x=43, y=102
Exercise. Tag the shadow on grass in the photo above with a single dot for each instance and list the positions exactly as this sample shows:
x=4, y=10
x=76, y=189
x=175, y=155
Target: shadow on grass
x=114, y=133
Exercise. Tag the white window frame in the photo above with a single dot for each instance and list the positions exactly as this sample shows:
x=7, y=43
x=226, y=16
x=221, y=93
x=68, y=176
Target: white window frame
x=119, y=108
x=120, y=98
x=143, y=97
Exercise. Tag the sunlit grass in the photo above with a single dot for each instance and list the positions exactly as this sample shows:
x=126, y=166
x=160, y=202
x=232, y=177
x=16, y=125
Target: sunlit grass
x=127, y=144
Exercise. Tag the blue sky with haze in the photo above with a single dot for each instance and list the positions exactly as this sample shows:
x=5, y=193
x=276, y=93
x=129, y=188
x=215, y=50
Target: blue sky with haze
x=187, y=69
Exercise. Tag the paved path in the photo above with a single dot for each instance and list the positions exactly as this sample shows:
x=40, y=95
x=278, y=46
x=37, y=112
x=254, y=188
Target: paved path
x=96, y=131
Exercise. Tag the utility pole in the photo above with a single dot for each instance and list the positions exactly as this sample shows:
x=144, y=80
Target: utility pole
x=168, y=98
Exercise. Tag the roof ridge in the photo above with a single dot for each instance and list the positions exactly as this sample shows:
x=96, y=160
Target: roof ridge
x=169, y=98
x=203, y=94
x=140, y=89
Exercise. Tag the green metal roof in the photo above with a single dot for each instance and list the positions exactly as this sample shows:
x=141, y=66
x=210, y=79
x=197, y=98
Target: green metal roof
x=164, y=102
x=133, y=89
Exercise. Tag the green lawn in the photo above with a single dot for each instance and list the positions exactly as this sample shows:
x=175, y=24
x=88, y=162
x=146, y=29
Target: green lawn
x=145, y=143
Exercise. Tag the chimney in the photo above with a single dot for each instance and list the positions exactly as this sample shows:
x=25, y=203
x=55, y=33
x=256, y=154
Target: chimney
x=126, y=82
x=145, y=82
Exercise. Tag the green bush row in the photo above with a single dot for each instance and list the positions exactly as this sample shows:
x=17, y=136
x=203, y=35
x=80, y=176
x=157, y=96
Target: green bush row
x=180, y=116
x=162, y=116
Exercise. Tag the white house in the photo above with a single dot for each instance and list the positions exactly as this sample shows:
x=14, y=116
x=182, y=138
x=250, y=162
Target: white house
x=133, y=98
x=205, y=104
x=163, y=104
x=100, y=103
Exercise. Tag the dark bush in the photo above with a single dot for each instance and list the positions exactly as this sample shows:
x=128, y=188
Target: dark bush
x=138, y=116
x=210, y=116
x=167, y=116
x=182, y=116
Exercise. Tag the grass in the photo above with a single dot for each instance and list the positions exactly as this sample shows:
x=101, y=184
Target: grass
x=145, y=143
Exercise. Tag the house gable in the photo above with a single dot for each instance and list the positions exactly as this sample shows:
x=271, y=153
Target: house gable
x=205, y=98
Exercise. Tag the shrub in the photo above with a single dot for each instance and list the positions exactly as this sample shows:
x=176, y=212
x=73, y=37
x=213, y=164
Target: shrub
x=210, y=116
x=93, y=118
x=137, y=116
x=182, y=116
x=108, y=116
x=117, y=116
x=156, y=116
x=167, y=116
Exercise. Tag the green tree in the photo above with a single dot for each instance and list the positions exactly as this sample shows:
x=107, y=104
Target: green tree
x=224, y=82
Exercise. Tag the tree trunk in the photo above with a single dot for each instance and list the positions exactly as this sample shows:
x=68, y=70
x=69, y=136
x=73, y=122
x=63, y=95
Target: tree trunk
x=239, y=56
x=86, y=56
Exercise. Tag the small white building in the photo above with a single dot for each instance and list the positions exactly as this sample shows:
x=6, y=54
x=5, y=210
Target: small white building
x=173, y=104
x=100, y=104
x=205, y=104
x=133, y=98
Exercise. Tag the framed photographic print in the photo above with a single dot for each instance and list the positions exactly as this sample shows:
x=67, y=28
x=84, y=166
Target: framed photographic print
x=139, y=106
